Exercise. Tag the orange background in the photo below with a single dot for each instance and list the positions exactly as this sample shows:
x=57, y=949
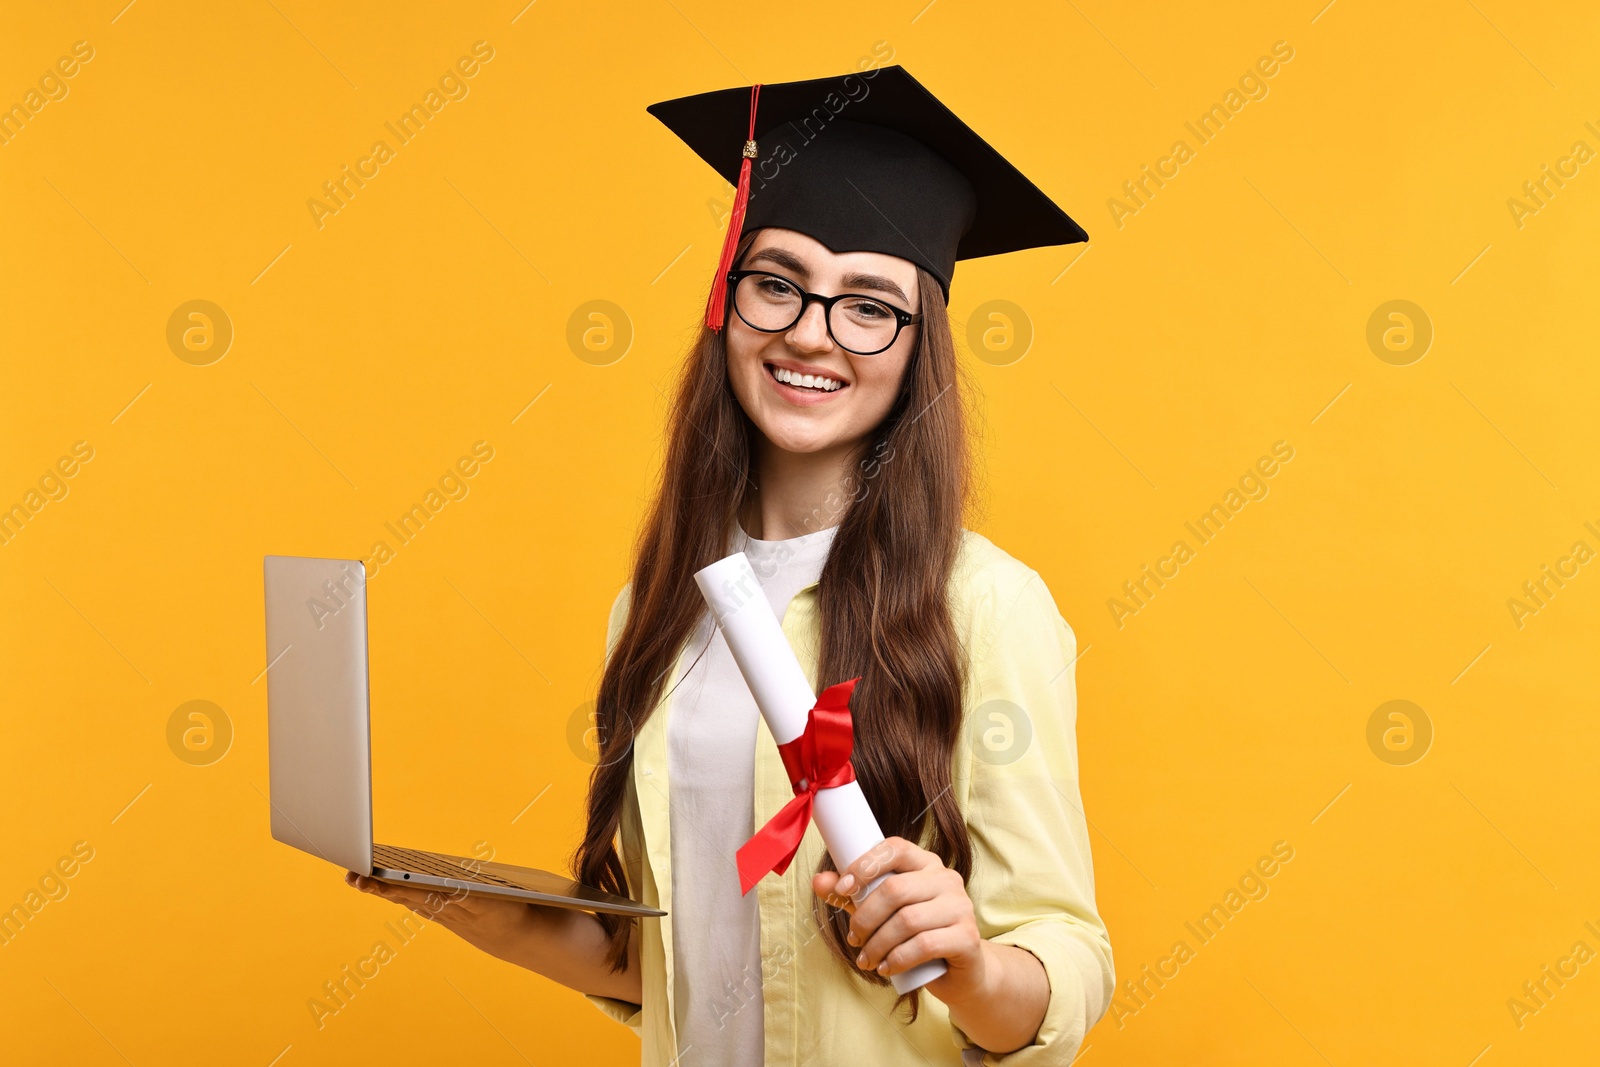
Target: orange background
x=436, y=309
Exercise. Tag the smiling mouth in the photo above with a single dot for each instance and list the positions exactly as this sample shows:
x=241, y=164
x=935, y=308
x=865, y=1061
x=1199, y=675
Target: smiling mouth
x=798, y=381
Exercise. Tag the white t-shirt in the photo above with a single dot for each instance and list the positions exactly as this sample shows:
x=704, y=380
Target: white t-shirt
x=711, y=736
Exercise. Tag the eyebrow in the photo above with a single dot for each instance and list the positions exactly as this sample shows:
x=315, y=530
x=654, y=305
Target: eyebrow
x=782, y=257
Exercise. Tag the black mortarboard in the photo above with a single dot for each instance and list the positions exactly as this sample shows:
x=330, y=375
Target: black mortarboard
x=864, y=162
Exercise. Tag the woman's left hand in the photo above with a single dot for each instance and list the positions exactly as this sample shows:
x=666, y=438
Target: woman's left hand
x=920, y=912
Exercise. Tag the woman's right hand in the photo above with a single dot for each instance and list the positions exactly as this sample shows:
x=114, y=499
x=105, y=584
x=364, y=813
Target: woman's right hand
x=494, y=924
x=563, y=944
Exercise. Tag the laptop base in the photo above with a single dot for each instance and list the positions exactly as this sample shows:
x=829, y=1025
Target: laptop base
x=437, y=870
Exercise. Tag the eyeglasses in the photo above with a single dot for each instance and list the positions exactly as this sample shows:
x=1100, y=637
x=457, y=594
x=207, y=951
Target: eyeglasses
x=859, y=324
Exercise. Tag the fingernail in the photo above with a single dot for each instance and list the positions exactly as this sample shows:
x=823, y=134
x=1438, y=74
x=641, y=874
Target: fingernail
x=883, y=967
x=846, y=883
x=861, y=958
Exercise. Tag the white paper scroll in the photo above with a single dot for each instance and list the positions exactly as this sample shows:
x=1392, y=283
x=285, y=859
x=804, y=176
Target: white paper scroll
x=770, y=669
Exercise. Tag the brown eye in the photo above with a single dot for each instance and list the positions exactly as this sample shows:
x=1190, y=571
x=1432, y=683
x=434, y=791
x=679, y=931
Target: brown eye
x=868, y=310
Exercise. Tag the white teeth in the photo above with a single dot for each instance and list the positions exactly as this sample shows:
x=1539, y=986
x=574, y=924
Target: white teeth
x=806, y=381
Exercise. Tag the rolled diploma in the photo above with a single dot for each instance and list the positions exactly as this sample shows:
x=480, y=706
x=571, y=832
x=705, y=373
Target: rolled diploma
x=776, y=680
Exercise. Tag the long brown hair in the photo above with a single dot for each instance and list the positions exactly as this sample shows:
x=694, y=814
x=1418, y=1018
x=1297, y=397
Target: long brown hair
x=882, y=598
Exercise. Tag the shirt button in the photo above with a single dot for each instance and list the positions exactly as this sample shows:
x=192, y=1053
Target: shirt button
x=648, y=772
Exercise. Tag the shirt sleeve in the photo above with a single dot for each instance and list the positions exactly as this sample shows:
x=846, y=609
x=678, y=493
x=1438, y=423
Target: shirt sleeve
x=623, y=1011
x=1032, y=881
x=630, y=1015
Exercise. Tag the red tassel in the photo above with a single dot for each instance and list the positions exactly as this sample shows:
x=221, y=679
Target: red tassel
x=716, y=306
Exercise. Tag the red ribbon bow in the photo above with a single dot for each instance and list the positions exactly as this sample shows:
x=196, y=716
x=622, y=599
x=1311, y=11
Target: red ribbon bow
x=818, y=759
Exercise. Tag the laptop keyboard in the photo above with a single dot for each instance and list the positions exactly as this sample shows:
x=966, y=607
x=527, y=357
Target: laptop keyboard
x=408, y=859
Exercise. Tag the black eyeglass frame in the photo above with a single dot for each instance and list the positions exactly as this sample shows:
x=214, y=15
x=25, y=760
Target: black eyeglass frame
x=902, y=318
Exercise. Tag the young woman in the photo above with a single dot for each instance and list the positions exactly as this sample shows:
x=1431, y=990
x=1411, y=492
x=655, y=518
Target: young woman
x=821, y=430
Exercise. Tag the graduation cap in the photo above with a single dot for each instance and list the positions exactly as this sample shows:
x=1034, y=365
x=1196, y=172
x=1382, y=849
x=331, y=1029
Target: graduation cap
x=869, y=161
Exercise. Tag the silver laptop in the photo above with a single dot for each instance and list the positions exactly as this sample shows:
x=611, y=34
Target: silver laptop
x=320, y=754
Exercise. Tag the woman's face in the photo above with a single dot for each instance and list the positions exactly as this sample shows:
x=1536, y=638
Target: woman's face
x=799, y=419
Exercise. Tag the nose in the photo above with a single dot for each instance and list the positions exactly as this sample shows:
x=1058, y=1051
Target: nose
x=810, y=333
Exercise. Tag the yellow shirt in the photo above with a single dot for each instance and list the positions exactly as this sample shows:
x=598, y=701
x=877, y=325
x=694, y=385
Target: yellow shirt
x=1015, y=779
